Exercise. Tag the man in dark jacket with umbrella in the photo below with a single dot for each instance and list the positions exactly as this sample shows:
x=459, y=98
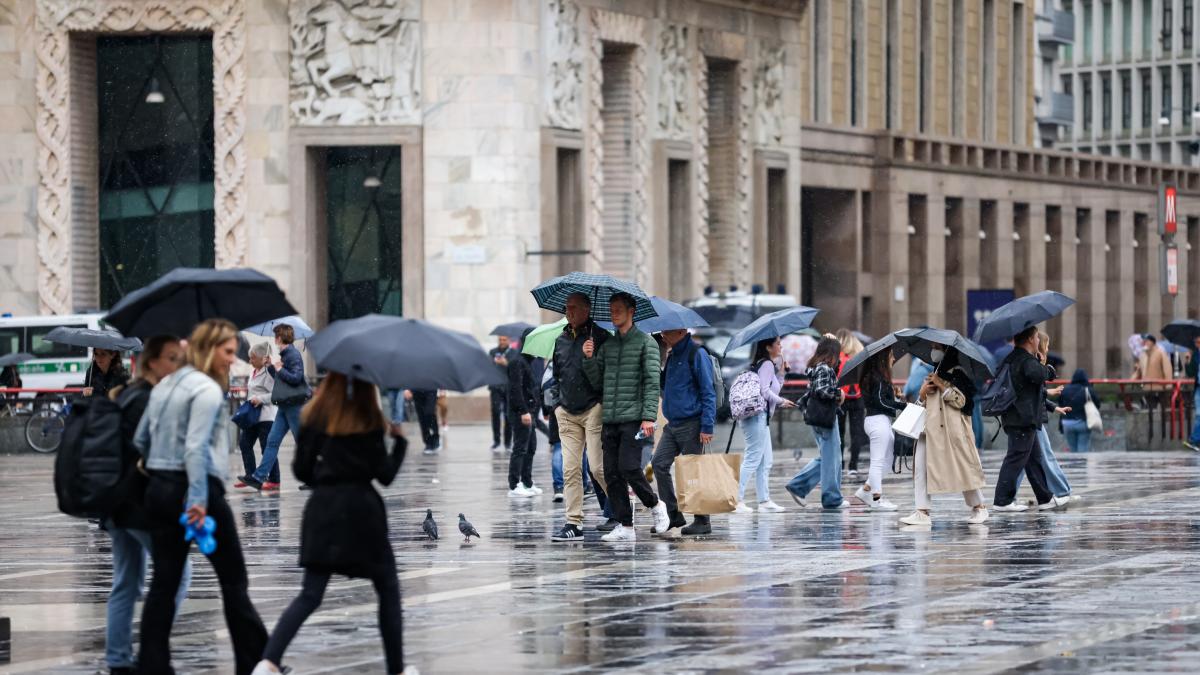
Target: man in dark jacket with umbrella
x=1020, y=423
x=524, y=394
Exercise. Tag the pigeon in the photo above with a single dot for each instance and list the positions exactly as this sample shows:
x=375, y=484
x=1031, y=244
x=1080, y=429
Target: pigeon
x=466, y=528
x=429, y=526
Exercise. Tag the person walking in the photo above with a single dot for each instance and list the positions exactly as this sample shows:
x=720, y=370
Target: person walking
x=882, y=405
x=1154, y=364
x=826, y=468
x=945, y=459
x=344, y=531
x=498, y=393
x=258, y=393
x=10, y=378
x=290, y=370
x=1056, y=478
x=626, y=369
x=523, y=404
x=579, y=416
x=854, y=409
x=1020, y=424
x=759, y=452
x=184, y=438
x=105, y=373
x=689, y=404
x=425, y=403
x=1076, y=396
x=128, y=523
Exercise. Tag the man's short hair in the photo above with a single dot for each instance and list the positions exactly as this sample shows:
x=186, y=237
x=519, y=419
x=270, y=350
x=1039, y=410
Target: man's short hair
x=1150, y=337
x=1024, y=335
x=582, y=297
x=626, y=298
x=285, y=333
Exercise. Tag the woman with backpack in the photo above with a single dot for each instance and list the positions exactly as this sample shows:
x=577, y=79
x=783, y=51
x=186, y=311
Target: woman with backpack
x=945, y=457
x=341, y=448
x=882, y=406
x=184, y=436
x=1076, y=396
x=821, y=405
x=854, y=410
x=756, y=462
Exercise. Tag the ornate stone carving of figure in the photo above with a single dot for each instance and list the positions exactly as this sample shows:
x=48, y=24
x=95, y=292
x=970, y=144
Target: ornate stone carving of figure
x=354, y=62
x=674, y=83
x=768, y=94
x=564, y=56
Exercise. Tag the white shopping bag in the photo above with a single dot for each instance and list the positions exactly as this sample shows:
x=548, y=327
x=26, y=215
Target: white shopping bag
x=911, y=422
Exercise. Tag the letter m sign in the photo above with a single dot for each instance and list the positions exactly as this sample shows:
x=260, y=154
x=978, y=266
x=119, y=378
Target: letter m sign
x=1168, y=218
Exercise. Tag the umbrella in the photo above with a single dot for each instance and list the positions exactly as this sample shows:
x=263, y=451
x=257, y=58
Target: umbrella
x=775, y=324
x=15, y=359
x=185, y=296
x=1014, y=317
x=267, y=328
x=513, y=330
x=851, y=370
x=553, y=294
x=540, y=342
x=920, y=343
x=95, y=339
x=397, y=353
x=671, y=316
x=1182, y=331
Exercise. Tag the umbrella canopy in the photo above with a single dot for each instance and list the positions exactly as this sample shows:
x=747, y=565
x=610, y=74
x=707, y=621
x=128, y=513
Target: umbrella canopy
x=267, y=328
x=15, y=359
x=728, y=316
x=95, y=339
x=185, y=296
x=775, y=324
x=920, y=343
x=540, y=342
x=397, y=353
x=1182, y=331
x=1014, y=317
x=553, y=294
x=512, y=330
x=854, y=367
x=671, y=316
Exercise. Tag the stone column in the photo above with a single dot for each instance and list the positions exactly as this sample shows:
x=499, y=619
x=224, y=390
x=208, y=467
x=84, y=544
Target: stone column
x=969, y=243
x=889, y=230
x=1035, y=248
x=1004, y=243
x=1093, y=287
x=935, y=261
x=1125, y=297
x=1063, y=329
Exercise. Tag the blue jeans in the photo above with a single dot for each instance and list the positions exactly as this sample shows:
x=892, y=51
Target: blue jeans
x=756, y=462
x=395, y=409
x=1079, y=437
x=826, y=469
x=287, y=418
x=1195, y=435
x=977, y=422
x=129, y=549
x=1056, y=480
x=556, y=467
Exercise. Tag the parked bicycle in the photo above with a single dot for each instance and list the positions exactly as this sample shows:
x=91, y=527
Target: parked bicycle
x=44, y=430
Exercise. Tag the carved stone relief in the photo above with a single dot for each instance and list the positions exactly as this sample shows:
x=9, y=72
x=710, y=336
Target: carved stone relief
x=768, y=94
x=700, y=217
x=745, y=182
x=564, y=65
x=674, y=83
x=55, y=21
x=355, y=62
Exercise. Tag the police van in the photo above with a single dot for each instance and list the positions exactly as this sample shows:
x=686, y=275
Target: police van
x=54, y=366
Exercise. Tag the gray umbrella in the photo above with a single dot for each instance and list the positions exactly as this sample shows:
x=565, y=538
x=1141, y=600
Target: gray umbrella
x=1011, y=318
x=773, y=325
x=15, y=359
x=920, y=342
x=95, y=339
x=397, y=353
x=853, y=369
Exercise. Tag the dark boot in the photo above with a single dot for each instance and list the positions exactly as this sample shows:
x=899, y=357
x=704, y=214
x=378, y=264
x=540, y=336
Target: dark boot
x=699, y=526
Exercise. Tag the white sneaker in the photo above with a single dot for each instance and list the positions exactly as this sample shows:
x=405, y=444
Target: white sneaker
x=620, y=533
x=769, y=507
x=882, y=504
x=411, y=670
x=917, y=518
x=742, y=508
x=978, y=516
x=265, y=667
x=863, y=497
x=662, y=520
x=1011, y=508
x=1076, y=498
x=520, y=491
x=844, y=505
x=1054, y=503
x=534, y=490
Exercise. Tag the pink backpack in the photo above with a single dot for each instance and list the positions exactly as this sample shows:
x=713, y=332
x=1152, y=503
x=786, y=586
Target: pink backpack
x=745, y=396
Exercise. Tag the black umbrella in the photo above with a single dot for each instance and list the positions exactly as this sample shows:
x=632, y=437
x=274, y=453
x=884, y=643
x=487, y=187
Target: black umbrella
x=920, y=342
x=512, y=330
x=95, y=339
x=184, y=297
x=1014, y=317
x=397, y=353
x=853, y=368
x=1182, y=331
x=15, y=359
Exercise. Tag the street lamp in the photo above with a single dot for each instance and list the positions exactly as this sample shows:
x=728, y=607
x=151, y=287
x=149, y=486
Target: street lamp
x=155, y=94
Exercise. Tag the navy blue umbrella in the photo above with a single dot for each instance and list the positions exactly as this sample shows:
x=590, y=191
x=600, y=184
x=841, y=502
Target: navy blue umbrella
x=671, y=316
x=920, y=342
x=600, y=288
x=397, y=353
x=1014, y=317
x=1182, y=332
x=512, y=330
x=773, y=325
x=185, y=296
x=95, y=339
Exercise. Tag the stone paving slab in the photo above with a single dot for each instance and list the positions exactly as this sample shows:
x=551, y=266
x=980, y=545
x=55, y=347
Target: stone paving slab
x=1109, y=585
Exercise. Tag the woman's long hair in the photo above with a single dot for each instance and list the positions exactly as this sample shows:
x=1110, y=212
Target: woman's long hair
x=829, y=352
x=876, y=370
x=762, y=352
x=202, y=347
x=342, y=407
x=851, y=345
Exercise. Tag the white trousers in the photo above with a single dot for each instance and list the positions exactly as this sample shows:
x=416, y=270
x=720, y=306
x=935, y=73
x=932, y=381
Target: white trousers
x=883, y=443
x=920, y=485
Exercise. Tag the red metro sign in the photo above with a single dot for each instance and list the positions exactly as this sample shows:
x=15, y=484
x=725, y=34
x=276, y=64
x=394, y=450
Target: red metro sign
x=1168, y=214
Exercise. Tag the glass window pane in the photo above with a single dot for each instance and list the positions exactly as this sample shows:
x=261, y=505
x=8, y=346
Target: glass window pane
x=10, y=340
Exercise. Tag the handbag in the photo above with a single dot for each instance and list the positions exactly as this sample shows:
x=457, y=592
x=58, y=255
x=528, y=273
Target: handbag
x=1092, y=413
x=285, y=393
x=911, y=422
x=820, y=412
x=247, y=415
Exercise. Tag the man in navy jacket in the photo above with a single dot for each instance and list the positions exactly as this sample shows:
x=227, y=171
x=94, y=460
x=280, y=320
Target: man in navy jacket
x=290, y=370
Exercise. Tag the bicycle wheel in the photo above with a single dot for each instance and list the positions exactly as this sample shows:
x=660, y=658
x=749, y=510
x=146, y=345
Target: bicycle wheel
x=44, y=431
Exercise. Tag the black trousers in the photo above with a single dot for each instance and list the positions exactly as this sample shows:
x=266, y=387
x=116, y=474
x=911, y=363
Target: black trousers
x=500, y=417
x=520, y=462
x=1023, y=453
x=623, y=470
x=165, y=495
x=425, y=402
x=850, y=421
x=678, y=438
x=246, y=440
x=387, y=588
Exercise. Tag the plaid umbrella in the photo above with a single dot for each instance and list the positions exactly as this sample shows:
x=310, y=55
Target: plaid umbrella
x=553, y=294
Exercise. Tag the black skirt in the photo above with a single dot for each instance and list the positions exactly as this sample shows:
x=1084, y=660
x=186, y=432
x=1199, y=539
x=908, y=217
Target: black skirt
x=345, y=531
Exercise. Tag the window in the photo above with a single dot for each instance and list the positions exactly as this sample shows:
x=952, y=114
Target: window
x=1185, y=95
x=10, y=340
x=1126, y=101
x=923, y=66
x=893, y=36
x=1085, y=83
x=1017, y=72
x=1164, y=75
x=855, y=28
x=1185, y=25
x=1126, y=28
x=988, y=81
x=1106, y=28
x=50, y=350
x=1147, y=28
x=1106, y=101
x=1147, y=98
x=819, y=83
x=1167, y=27
x=1087, y=32
x=957, y=48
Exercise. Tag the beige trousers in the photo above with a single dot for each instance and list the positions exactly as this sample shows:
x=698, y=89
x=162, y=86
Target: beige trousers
x=577, y=432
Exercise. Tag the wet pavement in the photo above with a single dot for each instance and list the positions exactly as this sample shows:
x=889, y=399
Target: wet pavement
x=1111, y=584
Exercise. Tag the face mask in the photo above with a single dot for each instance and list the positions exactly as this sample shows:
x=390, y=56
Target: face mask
x=936, y=355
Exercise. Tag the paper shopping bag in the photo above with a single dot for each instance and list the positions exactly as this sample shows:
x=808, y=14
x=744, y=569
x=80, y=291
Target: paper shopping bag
x=707, y=484
x=911, y=422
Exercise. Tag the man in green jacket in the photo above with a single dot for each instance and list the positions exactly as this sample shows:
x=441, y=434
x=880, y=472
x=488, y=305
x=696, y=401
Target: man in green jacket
x=626, y=369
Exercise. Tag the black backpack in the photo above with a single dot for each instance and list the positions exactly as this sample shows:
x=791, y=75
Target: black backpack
x=999, y=395
x=89, y=466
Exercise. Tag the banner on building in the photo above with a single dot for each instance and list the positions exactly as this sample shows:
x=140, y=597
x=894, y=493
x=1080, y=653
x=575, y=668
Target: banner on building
x=1170, y=269
x=1168, y=215
x=981, y=303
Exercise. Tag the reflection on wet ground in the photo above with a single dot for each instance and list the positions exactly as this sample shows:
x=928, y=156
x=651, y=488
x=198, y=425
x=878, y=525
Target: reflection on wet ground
x=1110, y=584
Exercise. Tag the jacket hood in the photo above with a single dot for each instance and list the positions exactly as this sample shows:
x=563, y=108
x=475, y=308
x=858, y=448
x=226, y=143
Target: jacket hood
x=1080, y=377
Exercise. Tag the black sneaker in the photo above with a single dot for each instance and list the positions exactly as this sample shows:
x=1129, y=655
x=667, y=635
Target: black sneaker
x=251, y=482
x=698, y=527
x=496, y=445
x=608, y=525
x=568, y=532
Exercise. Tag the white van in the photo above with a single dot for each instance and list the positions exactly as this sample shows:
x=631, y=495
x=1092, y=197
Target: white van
x=56, y=366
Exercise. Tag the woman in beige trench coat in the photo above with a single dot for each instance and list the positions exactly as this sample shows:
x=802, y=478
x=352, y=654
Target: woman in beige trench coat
x=945, y=458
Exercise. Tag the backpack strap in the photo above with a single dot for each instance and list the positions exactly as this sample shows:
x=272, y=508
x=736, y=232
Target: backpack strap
x=729, y=444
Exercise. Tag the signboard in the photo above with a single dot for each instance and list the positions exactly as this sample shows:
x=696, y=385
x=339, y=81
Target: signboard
x=1170, y=269
x=980, y=304
x=468, y=255
x=1168, y=214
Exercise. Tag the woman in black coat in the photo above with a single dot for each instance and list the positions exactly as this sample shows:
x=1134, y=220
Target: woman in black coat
x=339, y=451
